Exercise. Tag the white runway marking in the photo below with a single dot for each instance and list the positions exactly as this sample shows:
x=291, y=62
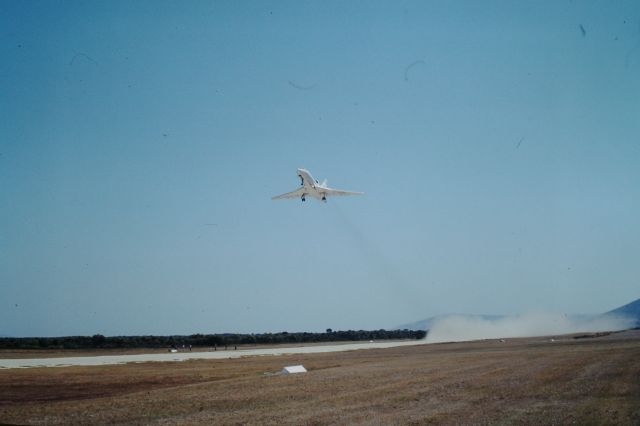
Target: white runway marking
x=184, y=356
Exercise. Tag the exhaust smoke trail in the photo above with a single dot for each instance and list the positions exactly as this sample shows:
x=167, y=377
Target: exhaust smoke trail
x=390, y=277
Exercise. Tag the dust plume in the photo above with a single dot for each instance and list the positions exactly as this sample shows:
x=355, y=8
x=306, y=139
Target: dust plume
x=456, y=328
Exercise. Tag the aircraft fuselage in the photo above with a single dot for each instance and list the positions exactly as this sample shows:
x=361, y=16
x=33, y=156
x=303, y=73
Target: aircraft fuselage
x=312, y=187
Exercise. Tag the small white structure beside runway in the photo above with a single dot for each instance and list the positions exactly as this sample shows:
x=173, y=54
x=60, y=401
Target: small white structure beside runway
x=293, y=369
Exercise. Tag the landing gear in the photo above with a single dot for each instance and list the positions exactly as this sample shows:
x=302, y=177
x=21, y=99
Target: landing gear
x=303, y=198
x=301, y=180
x=324, y=198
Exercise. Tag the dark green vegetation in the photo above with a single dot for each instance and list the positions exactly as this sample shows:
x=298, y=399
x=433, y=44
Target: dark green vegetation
x=99, y=341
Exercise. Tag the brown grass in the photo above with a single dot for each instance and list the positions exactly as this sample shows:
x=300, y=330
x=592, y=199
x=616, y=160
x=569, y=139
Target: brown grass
x=523, y=381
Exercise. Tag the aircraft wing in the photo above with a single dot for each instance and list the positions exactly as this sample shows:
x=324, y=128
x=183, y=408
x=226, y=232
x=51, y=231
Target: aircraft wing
x=339, y=192
x=293, y=194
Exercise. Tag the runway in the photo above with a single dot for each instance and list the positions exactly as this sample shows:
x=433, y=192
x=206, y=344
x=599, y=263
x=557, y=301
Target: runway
x=185, y=356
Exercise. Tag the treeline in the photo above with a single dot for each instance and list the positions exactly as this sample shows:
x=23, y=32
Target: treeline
x=98, y=341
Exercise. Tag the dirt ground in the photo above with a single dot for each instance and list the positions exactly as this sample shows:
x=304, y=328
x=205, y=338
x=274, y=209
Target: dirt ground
x=592, y=380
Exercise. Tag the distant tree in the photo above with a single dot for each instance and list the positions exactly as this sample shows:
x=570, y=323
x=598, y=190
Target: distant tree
x=98, y=340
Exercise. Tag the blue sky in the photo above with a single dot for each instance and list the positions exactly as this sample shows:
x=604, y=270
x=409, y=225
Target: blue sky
x=498, y=144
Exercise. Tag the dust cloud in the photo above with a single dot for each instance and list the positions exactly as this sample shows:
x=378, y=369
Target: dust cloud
x=456, y=328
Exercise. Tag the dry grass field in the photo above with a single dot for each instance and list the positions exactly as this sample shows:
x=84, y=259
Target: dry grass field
x=520, y=381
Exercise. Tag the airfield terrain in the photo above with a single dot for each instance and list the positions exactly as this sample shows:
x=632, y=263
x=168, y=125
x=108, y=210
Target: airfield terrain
x=588, y=380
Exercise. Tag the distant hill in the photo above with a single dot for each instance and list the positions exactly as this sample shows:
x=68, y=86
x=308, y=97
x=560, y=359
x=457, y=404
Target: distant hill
x=630, y=310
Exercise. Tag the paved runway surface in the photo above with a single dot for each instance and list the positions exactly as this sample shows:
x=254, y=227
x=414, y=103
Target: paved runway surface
x=183, y=356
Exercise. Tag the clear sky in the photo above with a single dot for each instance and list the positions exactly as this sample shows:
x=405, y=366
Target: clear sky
x=498, y=144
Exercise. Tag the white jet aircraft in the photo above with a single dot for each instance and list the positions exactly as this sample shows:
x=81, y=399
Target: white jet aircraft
x=313, y=188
